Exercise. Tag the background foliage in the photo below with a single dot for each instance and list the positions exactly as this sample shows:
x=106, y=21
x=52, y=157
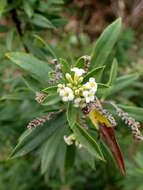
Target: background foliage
x=68, y=29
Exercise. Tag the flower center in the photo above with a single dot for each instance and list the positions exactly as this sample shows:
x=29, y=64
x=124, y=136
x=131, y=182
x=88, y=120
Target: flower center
x=67, y=94
x=92, y=84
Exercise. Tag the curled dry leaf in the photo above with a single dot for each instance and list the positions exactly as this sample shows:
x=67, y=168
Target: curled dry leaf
x=109, y=136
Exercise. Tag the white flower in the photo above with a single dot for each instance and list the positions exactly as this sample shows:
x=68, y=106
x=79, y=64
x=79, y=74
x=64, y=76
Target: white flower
x=92, y=85
x=77, y=102
x=89, y=96
x=61, y=89
x=78, y=72
x=68, y=140
x=67, y=95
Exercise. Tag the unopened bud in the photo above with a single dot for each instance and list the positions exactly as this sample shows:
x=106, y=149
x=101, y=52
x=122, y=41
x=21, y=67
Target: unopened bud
x=77, y=92
x=69, y=78
x=76, y=78
x=80, y=80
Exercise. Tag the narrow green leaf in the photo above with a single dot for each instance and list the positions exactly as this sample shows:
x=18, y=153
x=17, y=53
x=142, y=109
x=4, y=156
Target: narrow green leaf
x=104, y=44
x=69, y=157
x=50, y=89
x=16, y=96
x=103, y=86
x=51, y=99
x=2, y=6
x=123, y=82
x=59, y=22
x=41, y=21
x=31, y=64
x=65, y=66
x=87, y=142
x=33, y=138
x=28, y=9
x=112, y=78
x=9, y=39
x=80, y=62
x=95, y=73
x=50, y=148
x=46, y=45
x=71, y=115
x=32, y=83
x=113, y=73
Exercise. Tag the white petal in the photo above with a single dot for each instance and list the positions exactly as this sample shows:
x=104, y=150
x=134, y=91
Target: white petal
x=85, y=93
x=87, y=99
x=68, y=89
x=78, y=71
x=68, y=141
x=61, y=92
x=77, y=100
x=87, y=85
x=91, y=79
x=94, y=90
x=71, y=97
x=74, y=69
x=65, y=98
x=92, y=98
x=82, y=71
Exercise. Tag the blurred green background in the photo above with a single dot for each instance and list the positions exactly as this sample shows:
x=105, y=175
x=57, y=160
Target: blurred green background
x=69, y=27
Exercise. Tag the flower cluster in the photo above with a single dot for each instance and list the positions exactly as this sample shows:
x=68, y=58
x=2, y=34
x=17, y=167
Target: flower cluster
x=74, y=90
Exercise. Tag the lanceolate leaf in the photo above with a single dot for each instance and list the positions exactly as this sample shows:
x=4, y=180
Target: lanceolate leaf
x=33, y=138
x=51, y=147
x=107, y=132
x=112, y=78
x=102, y=86
x=80, y=62
x=31, y=83
x=104, y=44
x=70, y=157
x=42, y=41
x=87, y=142
x=109, y=136
x=31, y=64
x=71, y=115
x=65, y=66
x=28, y=8
x=95, y=73
x=50, y=89
x=9, y=39
x=123, y=82
x=113, y=72
x=41, y=21
x=51, y=99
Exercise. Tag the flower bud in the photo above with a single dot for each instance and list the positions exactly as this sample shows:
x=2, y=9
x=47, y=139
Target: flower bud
x=80, y=80
x=69, y=78
x=76, y=77
x=77, y=92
